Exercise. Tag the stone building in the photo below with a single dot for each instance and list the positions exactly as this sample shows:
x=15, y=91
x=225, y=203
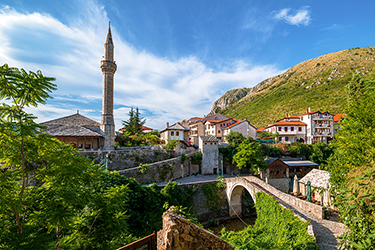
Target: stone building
x=209, y=147
x=82, y=132
x=320, y=186
x=77, y=130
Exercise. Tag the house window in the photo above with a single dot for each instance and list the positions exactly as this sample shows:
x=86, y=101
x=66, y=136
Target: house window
x=177, y=133
x=172, y=133
x=280, y=138
x=286, y=138
x=292, y=129
x=299, y=129
x=286, y=129
x=279, y=128
x=87, y=146
x=80, y=145
x=218, y=131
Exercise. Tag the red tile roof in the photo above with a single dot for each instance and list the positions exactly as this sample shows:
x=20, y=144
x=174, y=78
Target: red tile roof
x=338, y=117
x=260, y=129
x=284, y=123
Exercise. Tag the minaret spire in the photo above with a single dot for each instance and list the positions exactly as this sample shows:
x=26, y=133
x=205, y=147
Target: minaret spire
x=108, y=67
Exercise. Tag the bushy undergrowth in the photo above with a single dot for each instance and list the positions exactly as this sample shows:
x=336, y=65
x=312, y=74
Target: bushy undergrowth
x=275, y=228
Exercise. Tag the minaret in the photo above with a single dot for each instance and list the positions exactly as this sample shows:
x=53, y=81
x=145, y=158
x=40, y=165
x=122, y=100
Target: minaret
x=108, y=67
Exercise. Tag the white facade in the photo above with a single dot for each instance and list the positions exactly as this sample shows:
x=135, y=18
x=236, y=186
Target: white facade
x=244, y=127
x=319, y=126
x=290, y=129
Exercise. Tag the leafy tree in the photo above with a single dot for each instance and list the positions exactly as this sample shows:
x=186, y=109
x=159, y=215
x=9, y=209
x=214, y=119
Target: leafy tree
x=135, y=122
x=235, y=138
x=171, y=144
x=352, y=164
x=320, y=152
x=301, y=149
x=47, y=193
x=249, y=155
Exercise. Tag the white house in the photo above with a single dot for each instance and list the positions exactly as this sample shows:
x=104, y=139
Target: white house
x=242, y=126
x=290, y=129
x=175, y=132
x=319, y=126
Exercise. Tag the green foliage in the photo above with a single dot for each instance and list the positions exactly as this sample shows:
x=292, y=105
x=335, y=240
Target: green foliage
x=273, y=151
x=171, y=145
x=196, y=158
x=135, y=122
x=267, y=134
x=164, y=170
x=144, y=168
x=228, y=153
x=126, y=139
x=352, y=164
x=320, y=152
x=275, y=228
x=249, y=155
x=234, y=138
x=301, y=149
x=183, y=158
x=214, y=194
x=48, y=193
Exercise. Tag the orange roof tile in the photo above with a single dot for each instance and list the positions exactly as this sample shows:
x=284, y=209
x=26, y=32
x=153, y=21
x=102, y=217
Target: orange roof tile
x=260, y=129
x=291, y=123
x=338, y=117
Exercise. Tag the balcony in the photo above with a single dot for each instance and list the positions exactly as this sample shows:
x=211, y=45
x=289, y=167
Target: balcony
x=323, y=117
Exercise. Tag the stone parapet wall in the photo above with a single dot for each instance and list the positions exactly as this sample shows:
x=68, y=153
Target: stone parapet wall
x=312, y=208
x=281, y=183
x=180, y=234
x=162, y=171
x=129, y=157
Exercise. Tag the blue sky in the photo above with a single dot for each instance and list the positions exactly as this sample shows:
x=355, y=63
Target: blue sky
x=174, y=57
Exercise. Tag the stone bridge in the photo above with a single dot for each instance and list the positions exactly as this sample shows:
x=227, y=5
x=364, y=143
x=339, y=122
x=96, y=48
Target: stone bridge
x=235, y=186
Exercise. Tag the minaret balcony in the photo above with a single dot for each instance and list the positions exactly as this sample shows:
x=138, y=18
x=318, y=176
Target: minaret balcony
x=108, y=65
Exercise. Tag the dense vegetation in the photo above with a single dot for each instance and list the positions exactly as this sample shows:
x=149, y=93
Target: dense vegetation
x=275, y=228
x=318, y=83
x=352, y=164
x=53, y=198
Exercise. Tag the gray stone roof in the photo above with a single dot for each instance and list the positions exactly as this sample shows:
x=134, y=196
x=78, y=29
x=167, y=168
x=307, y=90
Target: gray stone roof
x=208, y=138
x=73, y=125
x=301, y=163
x=72, y=120
x=317, y=178
x=176, y=126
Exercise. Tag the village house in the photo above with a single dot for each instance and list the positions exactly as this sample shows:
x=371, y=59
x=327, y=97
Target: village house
x=242, y=126
x=175, y=132
x=319, y=126
x=215, y=127
x=320, y=187
x=279, y=172
x=289, y=128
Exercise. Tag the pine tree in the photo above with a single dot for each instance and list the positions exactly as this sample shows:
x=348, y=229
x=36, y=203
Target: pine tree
x=135, y=122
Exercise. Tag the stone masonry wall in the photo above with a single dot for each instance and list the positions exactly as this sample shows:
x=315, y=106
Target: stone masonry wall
x=128, y=157
x=181, y=234
x=200, y=205
x=281, y=183
x=162, y=171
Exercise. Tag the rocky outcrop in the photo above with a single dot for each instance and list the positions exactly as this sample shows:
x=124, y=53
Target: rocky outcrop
x=180, y=234
x=228, y=98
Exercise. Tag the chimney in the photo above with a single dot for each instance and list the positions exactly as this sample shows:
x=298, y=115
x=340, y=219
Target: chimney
x=167, y=124
x=309, y=109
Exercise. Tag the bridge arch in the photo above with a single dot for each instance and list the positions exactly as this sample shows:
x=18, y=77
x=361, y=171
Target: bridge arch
x=234, y=196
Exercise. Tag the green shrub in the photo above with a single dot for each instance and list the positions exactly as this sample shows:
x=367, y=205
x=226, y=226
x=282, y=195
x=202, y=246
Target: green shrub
x=275, y=228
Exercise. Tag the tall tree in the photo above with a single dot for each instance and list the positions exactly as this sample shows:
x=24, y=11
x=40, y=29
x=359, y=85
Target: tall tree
x=249, y=155
x=352, y=164
x=48, y=197
x=135, y=122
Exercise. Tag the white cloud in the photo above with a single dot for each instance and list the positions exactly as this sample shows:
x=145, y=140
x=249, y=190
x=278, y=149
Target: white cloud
x=164, y=90
x=299, y=17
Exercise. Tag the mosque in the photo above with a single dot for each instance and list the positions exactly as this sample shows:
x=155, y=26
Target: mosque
x=82, y=132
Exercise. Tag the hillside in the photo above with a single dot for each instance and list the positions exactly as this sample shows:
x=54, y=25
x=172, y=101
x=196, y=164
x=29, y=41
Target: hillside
x=318, y=83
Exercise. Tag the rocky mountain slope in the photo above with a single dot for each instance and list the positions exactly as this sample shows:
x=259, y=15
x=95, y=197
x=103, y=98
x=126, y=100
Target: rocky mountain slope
x=318, y=83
